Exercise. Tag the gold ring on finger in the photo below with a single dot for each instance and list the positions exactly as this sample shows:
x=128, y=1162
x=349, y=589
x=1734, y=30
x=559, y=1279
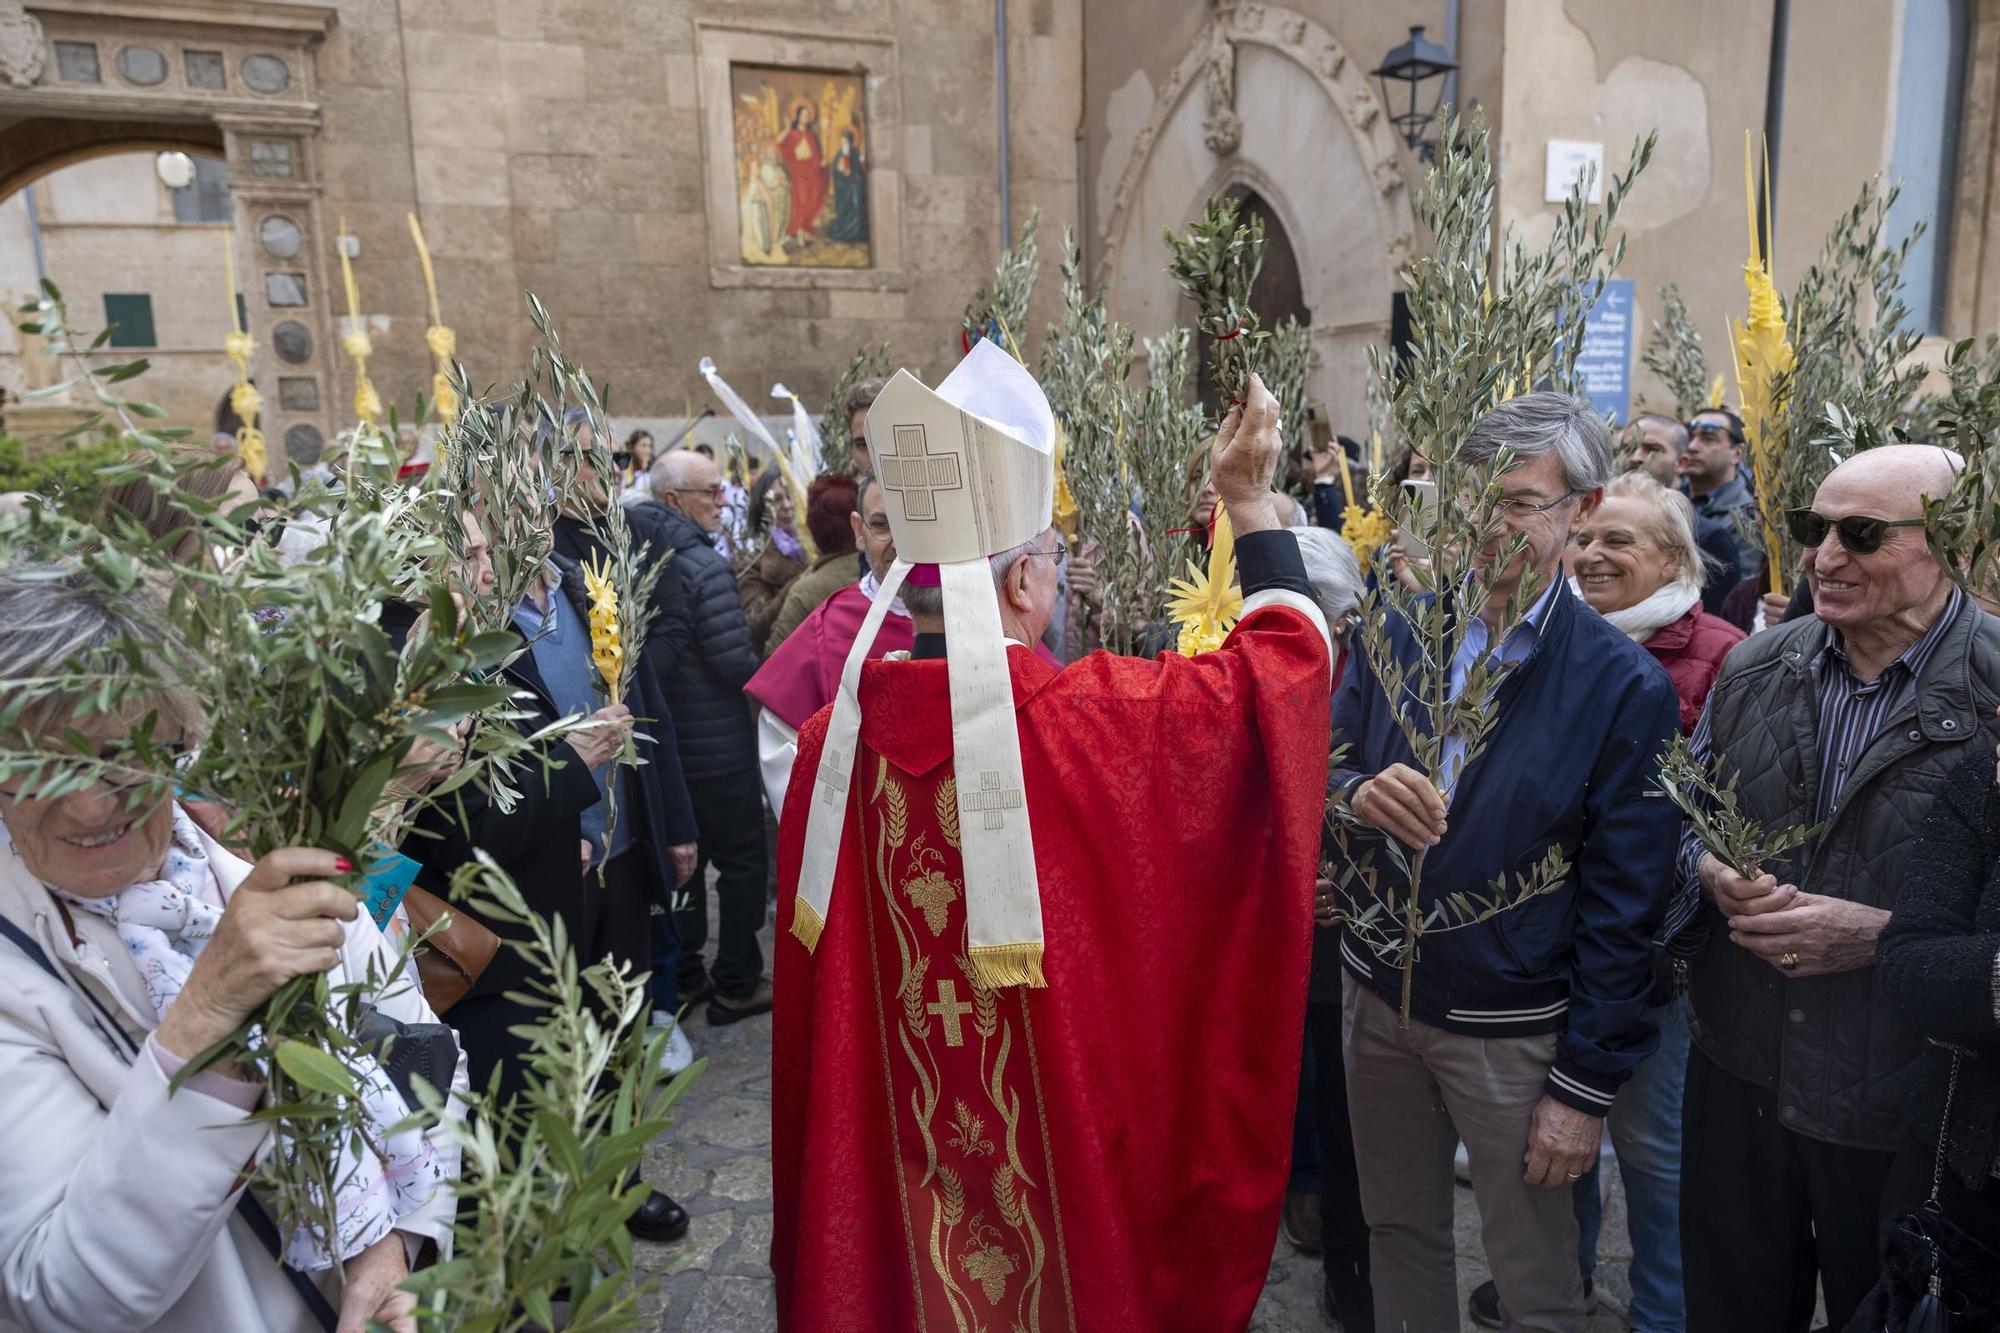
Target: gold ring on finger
x=1789, y=962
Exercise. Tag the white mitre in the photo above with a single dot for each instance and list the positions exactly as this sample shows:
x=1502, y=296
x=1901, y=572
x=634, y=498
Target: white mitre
x=967, y=471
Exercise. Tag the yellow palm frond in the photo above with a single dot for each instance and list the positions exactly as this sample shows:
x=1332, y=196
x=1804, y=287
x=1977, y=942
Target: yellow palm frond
x=1207, y=603
x=607, y=648
x=1763, y=359
x=1365, y=531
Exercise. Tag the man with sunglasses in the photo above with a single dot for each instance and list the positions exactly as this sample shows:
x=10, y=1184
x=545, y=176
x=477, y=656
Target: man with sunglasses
x=1712, y=473
x=1849, y=720
x=1657, y=445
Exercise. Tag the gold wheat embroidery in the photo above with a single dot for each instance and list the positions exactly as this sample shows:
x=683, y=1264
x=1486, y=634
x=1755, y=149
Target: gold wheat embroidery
x=985, y=1006
x=946, y=803
x=954, y=1196
x=969, y=1134
x=1004, y=1196
x=896, y=815
x=913, y=998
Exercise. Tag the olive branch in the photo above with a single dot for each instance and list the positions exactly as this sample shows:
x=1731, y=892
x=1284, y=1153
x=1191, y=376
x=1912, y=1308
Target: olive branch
x=1712, y=808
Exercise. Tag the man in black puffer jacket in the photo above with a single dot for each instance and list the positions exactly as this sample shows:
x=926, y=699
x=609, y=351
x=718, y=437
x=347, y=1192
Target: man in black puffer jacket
x=1851, y=719
x=718, y=746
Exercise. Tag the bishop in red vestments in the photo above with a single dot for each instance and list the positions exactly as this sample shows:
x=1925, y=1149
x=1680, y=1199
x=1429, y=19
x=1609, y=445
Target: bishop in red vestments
x=1106, y=1151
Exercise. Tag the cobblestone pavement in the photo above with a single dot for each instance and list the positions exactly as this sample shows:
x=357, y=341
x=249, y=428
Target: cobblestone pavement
x=716, y=1161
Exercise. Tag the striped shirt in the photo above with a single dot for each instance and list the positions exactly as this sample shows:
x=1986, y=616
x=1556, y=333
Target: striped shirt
x=1852, y=714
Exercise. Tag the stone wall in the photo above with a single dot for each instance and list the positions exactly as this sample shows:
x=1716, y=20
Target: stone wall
x=1595, y=70
x=572, y=148
x=559, y=146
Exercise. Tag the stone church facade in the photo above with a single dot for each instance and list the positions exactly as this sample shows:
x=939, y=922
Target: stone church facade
x=616, y=156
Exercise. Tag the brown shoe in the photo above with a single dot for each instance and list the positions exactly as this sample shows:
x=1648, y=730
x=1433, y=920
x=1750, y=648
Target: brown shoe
x=723, y=1012
x=687, y=999
x=1301, y=1221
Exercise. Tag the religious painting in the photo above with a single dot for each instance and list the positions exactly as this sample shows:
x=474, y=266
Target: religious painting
x=801, y=167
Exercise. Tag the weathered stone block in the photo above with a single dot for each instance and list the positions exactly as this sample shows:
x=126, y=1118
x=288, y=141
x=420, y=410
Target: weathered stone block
x=461, y=176
x=552, y=71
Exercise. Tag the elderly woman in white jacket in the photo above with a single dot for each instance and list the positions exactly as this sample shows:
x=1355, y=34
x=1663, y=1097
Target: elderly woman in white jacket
x=121, y=1204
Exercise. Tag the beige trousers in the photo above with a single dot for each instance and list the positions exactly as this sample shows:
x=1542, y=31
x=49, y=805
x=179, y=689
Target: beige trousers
x=1412, y=1094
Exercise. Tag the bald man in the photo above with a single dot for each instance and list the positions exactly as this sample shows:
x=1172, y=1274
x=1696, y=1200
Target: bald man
x=1851, y=718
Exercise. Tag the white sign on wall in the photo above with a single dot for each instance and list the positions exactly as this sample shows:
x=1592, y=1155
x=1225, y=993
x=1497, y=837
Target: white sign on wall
x=1569, y=160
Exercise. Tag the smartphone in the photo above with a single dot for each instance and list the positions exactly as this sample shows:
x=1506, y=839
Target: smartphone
x=1414, y=536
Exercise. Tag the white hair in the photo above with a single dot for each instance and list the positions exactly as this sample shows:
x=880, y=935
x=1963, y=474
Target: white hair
x=671, y=471
x=53, y=615
x=1332, y=570
x=928, y=602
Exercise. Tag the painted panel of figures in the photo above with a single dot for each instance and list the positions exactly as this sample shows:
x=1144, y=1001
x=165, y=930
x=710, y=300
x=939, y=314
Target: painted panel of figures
x=801, y=167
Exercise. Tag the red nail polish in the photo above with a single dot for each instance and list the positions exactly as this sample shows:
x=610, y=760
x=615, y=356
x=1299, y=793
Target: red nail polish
x=342, y=865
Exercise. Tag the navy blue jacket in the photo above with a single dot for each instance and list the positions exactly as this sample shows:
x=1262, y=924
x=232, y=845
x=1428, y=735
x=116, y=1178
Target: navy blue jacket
x=1573, y=761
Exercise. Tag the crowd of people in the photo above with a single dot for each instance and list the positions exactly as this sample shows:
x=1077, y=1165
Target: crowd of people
x=1787, y=1063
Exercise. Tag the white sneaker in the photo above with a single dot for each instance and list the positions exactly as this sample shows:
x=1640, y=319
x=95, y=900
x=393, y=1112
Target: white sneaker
x=679, y=1051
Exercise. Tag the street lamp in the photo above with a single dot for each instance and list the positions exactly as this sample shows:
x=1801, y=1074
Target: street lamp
x=175, y=170
x=1413, y=64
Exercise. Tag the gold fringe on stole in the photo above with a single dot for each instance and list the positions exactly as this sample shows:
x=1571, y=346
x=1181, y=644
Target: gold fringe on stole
x=999, y=965
x=807, y=923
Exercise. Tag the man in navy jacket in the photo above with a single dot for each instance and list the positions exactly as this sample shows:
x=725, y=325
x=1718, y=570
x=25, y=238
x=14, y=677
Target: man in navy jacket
x=1523, y=1026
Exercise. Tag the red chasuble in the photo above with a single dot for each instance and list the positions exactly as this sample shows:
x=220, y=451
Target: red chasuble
x=1105, y=1153
x=802, y=674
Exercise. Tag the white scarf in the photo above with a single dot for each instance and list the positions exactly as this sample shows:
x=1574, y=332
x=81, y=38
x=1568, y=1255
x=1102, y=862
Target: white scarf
x=165, y=924
x=870, y=585
x=1643, y=619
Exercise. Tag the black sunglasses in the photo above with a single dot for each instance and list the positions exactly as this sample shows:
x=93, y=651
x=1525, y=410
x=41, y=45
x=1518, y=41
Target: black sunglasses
x=1858, y=535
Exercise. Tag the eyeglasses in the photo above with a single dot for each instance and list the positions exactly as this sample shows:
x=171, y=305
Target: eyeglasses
x=714, y=492
x=1060, y=554
x=1711, y=432
x=1859, y=535
x=1515, y=508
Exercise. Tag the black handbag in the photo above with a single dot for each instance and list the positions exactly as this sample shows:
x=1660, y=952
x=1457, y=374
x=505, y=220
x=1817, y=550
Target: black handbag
x=1936, y=1277
x=408, y=1050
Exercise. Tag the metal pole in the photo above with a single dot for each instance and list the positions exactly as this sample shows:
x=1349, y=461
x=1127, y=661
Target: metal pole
x=1774, y=119
x=1451, y=45
x=35, y=236
x=1006, y=185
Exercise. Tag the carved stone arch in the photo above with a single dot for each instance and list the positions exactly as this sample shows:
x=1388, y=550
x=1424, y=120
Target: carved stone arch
x=39, y=146
x=1313, y=142
x=83, y=78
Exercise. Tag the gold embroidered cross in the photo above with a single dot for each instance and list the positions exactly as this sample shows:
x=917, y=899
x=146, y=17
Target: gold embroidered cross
x=913, y=474
x=833, y=778
x=992, y=800
x=949, y=1009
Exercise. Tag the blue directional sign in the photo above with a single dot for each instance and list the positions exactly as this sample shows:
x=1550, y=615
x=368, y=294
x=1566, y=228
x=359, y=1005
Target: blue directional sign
x=1604, y=365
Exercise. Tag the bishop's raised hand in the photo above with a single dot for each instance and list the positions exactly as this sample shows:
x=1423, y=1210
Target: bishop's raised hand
x=1244, y=457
